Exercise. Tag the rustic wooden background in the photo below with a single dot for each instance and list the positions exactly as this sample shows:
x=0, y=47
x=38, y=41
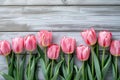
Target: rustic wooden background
x=63, y=17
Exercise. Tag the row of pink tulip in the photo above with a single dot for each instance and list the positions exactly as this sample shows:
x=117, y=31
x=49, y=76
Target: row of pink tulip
x=29, y=42
x=68, y=45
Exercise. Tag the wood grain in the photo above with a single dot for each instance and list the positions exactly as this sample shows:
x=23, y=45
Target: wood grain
x=59, y=2
x=59, y=18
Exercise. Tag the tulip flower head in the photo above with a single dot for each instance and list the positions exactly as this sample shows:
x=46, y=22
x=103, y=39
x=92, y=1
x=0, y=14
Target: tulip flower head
x=68, y=45
x=115, y=48
x=89, y=36
x=5, y=48
x=18, y=44
x=104, y=38
x=44, y=38
x=53, y=51
x=83, y=52
x=30, y=43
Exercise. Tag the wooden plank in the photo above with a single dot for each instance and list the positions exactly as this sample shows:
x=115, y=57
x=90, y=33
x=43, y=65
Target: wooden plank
x=59, y=2
x=59, y=18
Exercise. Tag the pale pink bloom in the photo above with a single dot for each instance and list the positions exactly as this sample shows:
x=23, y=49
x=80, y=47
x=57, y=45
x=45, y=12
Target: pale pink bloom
x=89, y=36
x=5, y=48
x=44, y=38
x=68, y=45
x=115, y=48
x=53, y=51
x=104, y=38
x=18, y=44
x=83, y=52
x=30, y=43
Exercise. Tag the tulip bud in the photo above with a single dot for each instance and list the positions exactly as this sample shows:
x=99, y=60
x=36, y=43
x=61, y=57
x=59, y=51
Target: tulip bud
x=68, y=45
x=30, y=43
x=115, y=48
x=5, y=48
x=44, y=38
x=83, y=52
x=104, y=38
x=18, y=44
x=89, y=36
x=53, y=51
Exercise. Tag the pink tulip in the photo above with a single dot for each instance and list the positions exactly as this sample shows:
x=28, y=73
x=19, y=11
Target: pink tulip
x=89, y=36
x=83, y=52
x=5, y=48
x=53, y=51
x=18, y=44
x=44, y=38
x=115, y=48
x=30, y=43
x=104, y=38
x=68, y=45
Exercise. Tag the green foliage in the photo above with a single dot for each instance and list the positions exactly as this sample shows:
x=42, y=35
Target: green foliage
x=6, y=76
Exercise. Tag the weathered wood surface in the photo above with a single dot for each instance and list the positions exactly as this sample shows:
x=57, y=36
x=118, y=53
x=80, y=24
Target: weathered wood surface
x=59, y=18
x=9, y=35
x=59, y=2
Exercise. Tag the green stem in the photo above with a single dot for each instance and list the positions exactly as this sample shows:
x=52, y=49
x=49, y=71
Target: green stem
x=68, y=63
x=97, y=50
x=7, y=60
x=45, y=51
x=7, y=63
x=52, y=68
x=29, y=71
x=83, y=70
x=103, y=56
x=18, y=67
x=116, y=62
x=93, y=61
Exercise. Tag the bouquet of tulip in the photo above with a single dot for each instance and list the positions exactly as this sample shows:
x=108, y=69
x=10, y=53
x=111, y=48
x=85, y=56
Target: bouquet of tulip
x=49, y=64
x=98, y=66
x=15, y=62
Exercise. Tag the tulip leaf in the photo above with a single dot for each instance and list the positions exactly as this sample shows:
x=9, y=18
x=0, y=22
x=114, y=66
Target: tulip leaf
x=69, y=76
x=56, y=71
x=11, y=64
x=64, y=69
x=76, y=68
x=71, y=64
x=48, y=67
x=106, y=67
x=32, y=69
x=21, y=70
x=61, y=77
x=97, y=67
x=36, y=67
x=89, y=73
x=78, y=74
x=119, y=78
x=6, y=76
x=113, y=71
x=43, y=66
x=41, y=53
